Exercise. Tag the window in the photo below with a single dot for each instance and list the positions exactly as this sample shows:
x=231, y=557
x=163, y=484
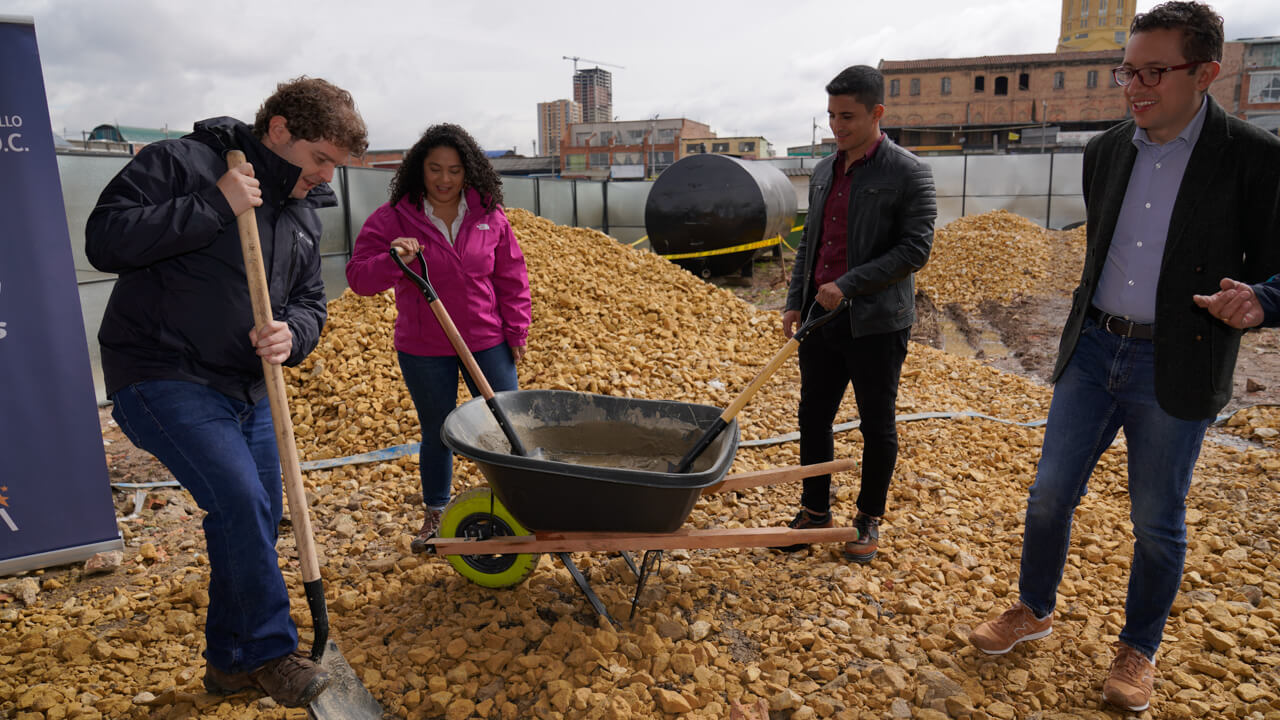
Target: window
x=664, y=158
x=1084, y=23
x=1091, y=80
x=631, y=158
x=1084, y=8
x=721, y=147
x=576, y=162
x=1119, y=37
x=1264, y=87
x=1024, y=81
x=915, y=86
x=946, y=86
x=1059, y=80
x=599, y=159
x=895, y=86
x=1102, y=8
x=746, y=147
x=697, y=147
x=666, y=135
x=979, y=83
x=1002, y=85
x=1081, y=36
x=635, y=136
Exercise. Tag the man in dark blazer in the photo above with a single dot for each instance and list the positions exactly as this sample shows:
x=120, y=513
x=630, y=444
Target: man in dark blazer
x=1178, y=198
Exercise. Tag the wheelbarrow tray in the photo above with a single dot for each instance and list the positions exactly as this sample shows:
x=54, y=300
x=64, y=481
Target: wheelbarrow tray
x=601, y=460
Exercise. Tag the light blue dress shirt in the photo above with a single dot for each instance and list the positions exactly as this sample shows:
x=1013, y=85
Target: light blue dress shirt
x=1127, y=286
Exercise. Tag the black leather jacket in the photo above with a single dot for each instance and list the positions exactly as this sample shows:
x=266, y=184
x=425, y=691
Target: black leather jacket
x=892, y=207
x=180, y=308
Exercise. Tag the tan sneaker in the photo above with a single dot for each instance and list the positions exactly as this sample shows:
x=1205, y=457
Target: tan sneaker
x=1131, y=679
x=430, y=526
x=1015, y=625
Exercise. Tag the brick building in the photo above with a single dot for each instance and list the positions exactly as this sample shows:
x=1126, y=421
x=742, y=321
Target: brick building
x=1259, y=90
x=1002, y=102
x=625, y=149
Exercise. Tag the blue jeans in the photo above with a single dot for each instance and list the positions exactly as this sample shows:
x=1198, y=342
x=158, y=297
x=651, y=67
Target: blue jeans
x=223, y=451
x=433, y=385
x=1109, y=384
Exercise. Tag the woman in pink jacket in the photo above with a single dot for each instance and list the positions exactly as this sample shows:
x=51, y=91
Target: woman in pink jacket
x=446, y=203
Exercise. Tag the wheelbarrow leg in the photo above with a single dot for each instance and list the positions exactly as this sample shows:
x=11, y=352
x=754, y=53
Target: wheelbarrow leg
x=585, y=587
x=651, y=558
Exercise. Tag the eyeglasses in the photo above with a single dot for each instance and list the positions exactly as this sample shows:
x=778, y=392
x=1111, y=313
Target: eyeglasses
x=1147, y=76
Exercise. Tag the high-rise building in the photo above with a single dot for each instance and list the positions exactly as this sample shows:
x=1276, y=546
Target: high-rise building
x=593, y=90
x=553, y=118
x=1095, y=24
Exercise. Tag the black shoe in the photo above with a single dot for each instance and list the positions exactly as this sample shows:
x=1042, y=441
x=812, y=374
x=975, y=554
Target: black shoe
x=804, y=520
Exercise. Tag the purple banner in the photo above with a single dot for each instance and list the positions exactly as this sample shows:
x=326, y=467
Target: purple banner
x=55, y=495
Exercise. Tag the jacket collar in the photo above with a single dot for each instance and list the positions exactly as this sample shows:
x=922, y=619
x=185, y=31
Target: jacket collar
x=277, y=175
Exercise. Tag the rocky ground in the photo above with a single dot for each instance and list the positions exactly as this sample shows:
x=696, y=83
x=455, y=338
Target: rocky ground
x=811, y=635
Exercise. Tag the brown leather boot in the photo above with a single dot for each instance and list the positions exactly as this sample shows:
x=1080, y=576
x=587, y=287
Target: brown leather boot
x=293, y=680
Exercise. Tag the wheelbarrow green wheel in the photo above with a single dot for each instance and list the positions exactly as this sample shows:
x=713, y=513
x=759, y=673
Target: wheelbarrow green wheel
x=477, y=514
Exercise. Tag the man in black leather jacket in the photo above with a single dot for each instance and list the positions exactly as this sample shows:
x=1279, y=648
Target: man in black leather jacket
x=870, y=227
x=182, y=359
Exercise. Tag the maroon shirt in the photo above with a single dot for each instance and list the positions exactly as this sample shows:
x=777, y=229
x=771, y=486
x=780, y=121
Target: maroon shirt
x=833, y=259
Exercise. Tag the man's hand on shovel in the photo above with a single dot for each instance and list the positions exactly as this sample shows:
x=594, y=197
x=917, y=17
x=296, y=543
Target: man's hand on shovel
x=273, y=342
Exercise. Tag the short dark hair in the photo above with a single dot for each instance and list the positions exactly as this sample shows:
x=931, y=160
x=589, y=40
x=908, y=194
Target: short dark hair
x=314, y=109
x=1201, y=28
x=863, y=82
x=477, y=171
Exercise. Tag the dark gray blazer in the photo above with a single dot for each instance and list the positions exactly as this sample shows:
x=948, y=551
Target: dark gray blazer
x=1226, y=223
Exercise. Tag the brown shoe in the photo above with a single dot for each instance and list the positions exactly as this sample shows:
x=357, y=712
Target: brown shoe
x=430, y=526
x=864, y=548
x=221, y=683
x=1015, y=625
x=293, y=680
x=804, y=520
x=1131, y=679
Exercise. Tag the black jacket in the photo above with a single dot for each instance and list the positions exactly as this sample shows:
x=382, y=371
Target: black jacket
x=180, y=308
x=1225, y=223
x=892, y=207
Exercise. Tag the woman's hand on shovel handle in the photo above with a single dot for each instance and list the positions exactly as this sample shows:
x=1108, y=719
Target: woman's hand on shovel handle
x=240, y=188
x=406, y=247
x=274, y=342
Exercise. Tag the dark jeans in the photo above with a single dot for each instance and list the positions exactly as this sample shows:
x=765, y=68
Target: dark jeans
x=830, y=359
x=433, y=385
x=1109, y=384
x=223, y=451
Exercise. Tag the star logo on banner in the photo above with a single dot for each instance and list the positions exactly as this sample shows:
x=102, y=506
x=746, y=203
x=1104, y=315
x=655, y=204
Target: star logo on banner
x=4, y=500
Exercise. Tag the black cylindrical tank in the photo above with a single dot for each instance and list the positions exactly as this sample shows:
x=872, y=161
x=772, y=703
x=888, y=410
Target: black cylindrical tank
x=705, y=209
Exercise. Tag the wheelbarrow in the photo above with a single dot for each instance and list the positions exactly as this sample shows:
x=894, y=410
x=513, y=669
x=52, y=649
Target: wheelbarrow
x=601, y=484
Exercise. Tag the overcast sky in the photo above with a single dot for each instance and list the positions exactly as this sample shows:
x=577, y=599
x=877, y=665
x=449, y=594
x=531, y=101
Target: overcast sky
x=746, y=67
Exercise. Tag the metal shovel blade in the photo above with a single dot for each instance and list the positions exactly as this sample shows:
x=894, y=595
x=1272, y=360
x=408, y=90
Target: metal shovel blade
x=346, y=697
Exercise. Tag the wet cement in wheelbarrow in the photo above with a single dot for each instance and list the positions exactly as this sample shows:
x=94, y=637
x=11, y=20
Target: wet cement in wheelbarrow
x=603, y=444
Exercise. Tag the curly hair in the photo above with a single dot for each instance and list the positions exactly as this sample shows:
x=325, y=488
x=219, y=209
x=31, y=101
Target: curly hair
x=315, y=109
x=477, y=171
x=1201, y=28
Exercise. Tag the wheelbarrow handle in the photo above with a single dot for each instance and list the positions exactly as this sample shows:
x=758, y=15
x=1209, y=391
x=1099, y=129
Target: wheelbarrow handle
x=726, y=417
x=460, y=347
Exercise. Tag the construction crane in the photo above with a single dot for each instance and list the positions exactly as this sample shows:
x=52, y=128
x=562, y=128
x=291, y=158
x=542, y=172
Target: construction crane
x=575, y=60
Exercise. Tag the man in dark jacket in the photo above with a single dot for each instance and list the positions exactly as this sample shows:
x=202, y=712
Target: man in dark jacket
x=870, y=227
x=1177, y=198
x=183, y=362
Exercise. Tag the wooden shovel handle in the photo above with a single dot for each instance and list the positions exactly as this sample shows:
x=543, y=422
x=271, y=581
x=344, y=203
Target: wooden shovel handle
x=260, y=296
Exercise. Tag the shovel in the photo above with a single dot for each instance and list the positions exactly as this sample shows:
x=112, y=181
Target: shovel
x=346, y=697
x=464, y=353
x=772, y=366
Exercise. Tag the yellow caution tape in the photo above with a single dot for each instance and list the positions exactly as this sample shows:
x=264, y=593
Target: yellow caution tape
x=769, y=242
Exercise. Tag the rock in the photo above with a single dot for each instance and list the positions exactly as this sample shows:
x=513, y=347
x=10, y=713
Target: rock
x=671, y=702
x=787, y=699
x=103, y=562
x=933, y=685
x=1251, y=385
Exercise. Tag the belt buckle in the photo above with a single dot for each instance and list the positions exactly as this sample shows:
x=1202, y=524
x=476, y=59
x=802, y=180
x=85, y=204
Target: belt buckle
x=1107, y=325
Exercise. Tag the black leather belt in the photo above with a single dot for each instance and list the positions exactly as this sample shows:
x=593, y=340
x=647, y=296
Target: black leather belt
x=1117, y=325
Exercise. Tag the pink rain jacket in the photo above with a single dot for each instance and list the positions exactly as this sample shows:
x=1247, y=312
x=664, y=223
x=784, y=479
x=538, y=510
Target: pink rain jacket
x=481, y=279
